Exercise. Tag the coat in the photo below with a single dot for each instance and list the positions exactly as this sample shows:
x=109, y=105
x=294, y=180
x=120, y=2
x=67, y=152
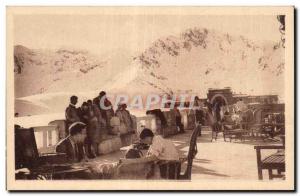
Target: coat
x=74, y=152
x=93, y=130
x=125, y=118
x=106, y=114
x=97, y=113
x=93, y=126
x=71, y=114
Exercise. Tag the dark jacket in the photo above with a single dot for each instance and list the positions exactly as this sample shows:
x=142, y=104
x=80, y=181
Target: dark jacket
x=106, y=114
x=71, y=115
x=74, y=152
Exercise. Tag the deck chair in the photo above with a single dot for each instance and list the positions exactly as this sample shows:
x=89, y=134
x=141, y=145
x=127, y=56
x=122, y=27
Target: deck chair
x=173, y=168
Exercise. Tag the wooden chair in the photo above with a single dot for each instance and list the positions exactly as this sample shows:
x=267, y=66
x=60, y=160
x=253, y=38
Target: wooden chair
x=262, y=130
x=272, y=162
x=186, y=175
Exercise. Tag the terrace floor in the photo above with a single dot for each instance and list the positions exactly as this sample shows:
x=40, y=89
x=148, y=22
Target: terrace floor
x=222, y=160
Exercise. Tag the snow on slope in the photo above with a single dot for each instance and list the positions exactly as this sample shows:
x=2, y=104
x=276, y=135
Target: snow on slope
x=191, y=62
x=200, y=59
x=47, y=71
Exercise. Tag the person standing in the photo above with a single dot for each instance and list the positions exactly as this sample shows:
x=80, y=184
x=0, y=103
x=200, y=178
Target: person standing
x=178, y=119
x=85, y=117
x=83, y=112
x=93, y=132
x=212, y=121
x=71, y=112
x=101, y=120
x=124, y=117
x=199, y=113
x=106, y=109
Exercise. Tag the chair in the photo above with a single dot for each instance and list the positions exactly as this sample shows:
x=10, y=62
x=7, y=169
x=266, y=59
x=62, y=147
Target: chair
x=243, y=131
x=263, y=130
x=186, y=175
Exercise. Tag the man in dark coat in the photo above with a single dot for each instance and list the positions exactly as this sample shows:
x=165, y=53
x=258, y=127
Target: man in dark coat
x=178, y=119
x=106, y=109
x=72, y=112
x=72, y=145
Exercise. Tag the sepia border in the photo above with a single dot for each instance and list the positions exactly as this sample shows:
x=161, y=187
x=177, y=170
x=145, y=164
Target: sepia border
x=115, y=185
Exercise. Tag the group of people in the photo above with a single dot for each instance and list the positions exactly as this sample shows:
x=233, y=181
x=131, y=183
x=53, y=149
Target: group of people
x=89, y=124
x=95, y=117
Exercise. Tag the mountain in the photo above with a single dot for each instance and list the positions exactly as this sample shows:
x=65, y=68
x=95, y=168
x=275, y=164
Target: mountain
x=199, y=59
x=191, y=62
x=47, y=71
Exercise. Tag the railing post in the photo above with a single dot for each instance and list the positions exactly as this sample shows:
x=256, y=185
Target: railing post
x=45, y=139
x=49, y=138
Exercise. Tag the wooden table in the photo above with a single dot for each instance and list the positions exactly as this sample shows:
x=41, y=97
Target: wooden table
x=275, y=161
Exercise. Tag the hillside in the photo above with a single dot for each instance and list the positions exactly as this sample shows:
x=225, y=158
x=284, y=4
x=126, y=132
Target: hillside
x=191, y=62
x=200, y=59
x=47, y=71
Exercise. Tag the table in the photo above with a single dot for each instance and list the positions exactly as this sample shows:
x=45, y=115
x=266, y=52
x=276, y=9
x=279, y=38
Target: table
x=274, y=161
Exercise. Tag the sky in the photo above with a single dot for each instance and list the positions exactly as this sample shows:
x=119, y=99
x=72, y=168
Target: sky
x=104, y=33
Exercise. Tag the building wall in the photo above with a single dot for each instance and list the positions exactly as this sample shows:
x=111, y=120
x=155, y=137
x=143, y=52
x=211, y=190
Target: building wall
x=232, y=99
x=264, y=99
x=225, y=93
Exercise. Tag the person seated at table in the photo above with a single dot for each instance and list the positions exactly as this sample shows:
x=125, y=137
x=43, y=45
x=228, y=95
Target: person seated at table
x=72, y=145
x=161, y=150
x=228, y=121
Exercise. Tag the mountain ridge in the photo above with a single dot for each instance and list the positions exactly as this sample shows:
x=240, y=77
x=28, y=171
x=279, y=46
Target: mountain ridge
x=192, y=61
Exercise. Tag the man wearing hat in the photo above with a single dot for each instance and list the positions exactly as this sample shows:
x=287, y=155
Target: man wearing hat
x=72, y=145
